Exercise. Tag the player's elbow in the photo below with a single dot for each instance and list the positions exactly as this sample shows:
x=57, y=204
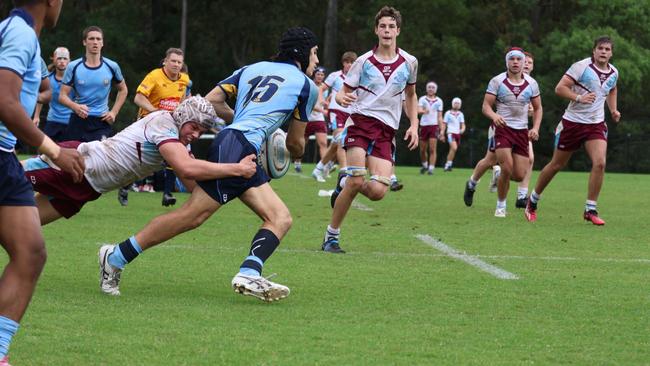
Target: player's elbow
x=296, y=146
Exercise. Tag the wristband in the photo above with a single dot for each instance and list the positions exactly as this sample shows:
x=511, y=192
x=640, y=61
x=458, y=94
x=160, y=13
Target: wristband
x=49, y=148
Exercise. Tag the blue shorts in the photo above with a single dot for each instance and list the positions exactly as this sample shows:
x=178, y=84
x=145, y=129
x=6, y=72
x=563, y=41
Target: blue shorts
x=231, y=146
x=15, y=189
x=55, y=130
x=90, y=129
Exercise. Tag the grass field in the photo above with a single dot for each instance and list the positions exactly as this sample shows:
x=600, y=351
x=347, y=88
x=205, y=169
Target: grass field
x=582, y=295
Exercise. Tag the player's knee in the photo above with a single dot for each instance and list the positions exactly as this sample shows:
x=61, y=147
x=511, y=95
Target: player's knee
x=31, y=257
x=598, y=164
x=377, y=192
x=354, y=183
x=281, y=220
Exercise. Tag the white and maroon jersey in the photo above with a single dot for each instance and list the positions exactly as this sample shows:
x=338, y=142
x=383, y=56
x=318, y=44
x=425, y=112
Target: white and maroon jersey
x=317, y=116
x=453, y=119
x=380, y=85
x=588, y=78
x=513, y=100
x=335, y=81
x=433, y=106
x=131, y=154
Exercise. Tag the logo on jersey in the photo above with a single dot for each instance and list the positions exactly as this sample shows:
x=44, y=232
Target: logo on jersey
x=106, y=82
x=387, y=70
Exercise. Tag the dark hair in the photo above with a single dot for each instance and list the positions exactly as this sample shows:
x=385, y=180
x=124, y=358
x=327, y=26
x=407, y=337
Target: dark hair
x=528, y=54
x=92, y=28
x=19, y=3
x=603, y=39
x=389, y=11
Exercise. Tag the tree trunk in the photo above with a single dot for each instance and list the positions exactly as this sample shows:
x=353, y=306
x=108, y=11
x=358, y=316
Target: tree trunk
x=330, y=52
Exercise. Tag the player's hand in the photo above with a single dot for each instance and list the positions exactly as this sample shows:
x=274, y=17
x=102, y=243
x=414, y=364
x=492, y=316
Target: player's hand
x=81, y=110
x=108, y=117
x=247, y=166
x=348, y=99
x=533, y=134
x=616, y=116
x=499, y=121
x=36, y=120
x=72, y=162
x=588, y=98
x=411, y=136
x=441, y=137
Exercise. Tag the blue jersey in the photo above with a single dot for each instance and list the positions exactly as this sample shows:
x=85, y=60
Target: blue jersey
x=21, y=54
x=269, y=94
x=58, y=112
x=92, y=85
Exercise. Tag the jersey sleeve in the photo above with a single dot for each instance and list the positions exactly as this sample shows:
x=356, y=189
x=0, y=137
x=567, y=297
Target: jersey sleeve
x=461, y=117
x=575, y=71
x=69, y=73
x=354, y=74
x=440, y=105
x=306, y=101
x=161, y=130
x=15, y=53
x=329, y=81
x=230, y=84
x=147, y=85
x=413, y=76
x=422, y=102
x=117, y=72
x=493, y=86
x=447, y=117
x=44, y=72
x=534, y=87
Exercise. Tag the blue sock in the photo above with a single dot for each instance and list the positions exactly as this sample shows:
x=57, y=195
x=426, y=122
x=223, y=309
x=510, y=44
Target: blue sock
x=124, y=253
x=262, y=246
x=8, y=328
x=170, y=181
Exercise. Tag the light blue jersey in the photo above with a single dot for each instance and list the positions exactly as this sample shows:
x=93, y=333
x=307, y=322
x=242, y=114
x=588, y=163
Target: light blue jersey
x=269, y=94
x=20, y=53
x=58, y=112
x=92, y=85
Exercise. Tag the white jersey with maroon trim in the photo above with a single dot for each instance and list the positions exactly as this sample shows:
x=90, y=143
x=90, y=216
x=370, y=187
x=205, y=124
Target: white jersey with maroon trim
x=380, y=85
x=335, y=82
x=588, y=78
x=316, y=116
x=131, y=154
x=513, y=100
x=453, y=119
x=433, y=106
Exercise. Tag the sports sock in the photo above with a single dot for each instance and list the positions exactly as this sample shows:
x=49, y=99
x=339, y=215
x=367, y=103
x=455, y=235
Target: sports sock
x=297, y=163
x=522, y=192
x=448, y=164
x=501, y=204
x=431, y=168
x=424, y=164
x=320, y=166
x=124, y=253
x=170, y=181
x=472, y=182
x=329, y=165
x=393, y=178
x=590, y=205
x=534, y=197
x=8, y=328
x=262, y=246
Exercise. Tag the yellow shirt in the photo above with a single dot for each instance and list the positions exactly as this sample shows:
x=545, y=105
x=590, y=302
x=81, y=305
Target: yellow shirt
x=162, y=92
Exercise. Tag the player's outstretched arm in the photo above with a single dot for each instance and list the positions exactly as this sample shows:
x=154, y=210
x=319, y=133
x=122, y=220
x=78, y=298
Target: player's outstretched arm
x=218, y=99
x=186, y=167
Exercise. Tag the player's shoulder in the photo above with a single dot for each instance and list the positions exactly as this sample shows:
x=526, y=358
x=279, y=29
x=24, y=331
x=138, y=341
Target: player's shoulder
x=74, y=63
x=500, y=77
x=184, y=78
x=160, y=120
x=110, y=62
x=614, y=69
x=530, y=79
x=409, y=58
x=363, y=58
x=584, y=63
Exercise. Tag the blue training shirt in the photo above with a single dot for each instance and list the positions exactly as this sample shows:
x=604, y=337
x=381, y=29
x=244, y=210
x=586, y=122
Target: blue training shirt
x=269, y=94
x=58, y=112
x=92, y=85
x=20, y=53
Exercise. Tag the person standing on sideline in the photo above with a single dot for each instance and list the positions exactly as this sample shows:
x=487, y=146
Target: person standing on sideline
x=91, y=77
x=455, y=126
x=430, y=106
x=20, y=229
x=588, y=85
x=374, y=89
x=58, y=115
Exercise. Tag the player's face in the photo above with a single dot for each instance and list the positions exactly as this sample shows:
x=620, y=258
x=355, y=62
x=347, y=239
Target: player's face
x=529, y=65
x=431, y=89
x=346, y=66
x=387, y=31
x=52, y=13
x=61, y=63
x=190, y=131
x=455, y=106
x=94, y=42
x=173, y=64
x=515, y=64
x=319, y=76
x=313, y=61
x=603, y=52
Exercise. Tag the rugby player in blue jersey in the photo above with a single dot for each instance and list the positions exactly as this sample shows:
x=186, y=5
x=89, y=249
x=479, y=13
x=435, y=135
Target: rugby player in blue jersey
x=268, y=95
x=20, y=228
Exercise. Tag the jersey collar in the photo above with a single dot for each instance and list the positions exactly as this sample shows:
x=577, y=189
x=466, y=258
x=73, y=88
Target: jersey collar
x=21, y=12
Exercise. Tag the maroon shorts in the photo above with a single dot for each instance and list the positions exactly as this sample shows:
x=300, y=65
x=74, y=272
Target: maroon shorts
x=314, y=127
x=428, y=132
x=337, y=118
x=453, y=137
x=569, y=136
x=508, y=138
x=372, y=135
x=66, y=197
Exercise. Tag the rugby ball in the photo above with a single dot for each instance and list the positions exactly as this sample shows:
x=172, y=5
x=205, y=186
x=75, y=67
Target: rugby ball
x=274, y=155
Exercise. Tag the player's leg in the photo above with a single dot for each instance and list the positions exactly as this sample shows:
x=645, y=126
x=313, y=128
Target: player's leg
x=276, y=221
x=46, y=212
x=453, y=147
x=21, y=237
x=170, y=181
x=597, y=152
x=341, y=155
x=505, y=160
x=558, y=161
x=321, y=141
x=433, y=142
x=522, y=188
x=423, y=156
x=481, y=167
x=380, y=170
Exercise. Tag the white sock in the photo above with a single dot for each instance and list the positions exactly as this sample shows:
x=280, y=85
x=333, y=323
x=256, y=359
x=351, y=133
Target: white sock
x=393, y=178
x=319, y=166
x=522, y=192
x=534, y=197
x=472, y=182
x=590, y=205
x=431, y=168
x=501, y=204
x=424, y=164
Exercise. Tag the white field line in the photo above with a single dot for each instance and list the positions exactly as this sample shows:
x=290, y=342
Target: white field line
x=221, y=248
x=469, y=259
x=360, y=206
x=300, y=175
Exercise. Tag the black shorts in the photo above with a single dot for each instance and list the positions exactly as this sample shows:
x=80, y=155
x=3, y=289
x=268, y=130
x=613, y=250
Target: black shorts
x=15, y=189
x=91, y=128
x=231, y=146
x=55, y=130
